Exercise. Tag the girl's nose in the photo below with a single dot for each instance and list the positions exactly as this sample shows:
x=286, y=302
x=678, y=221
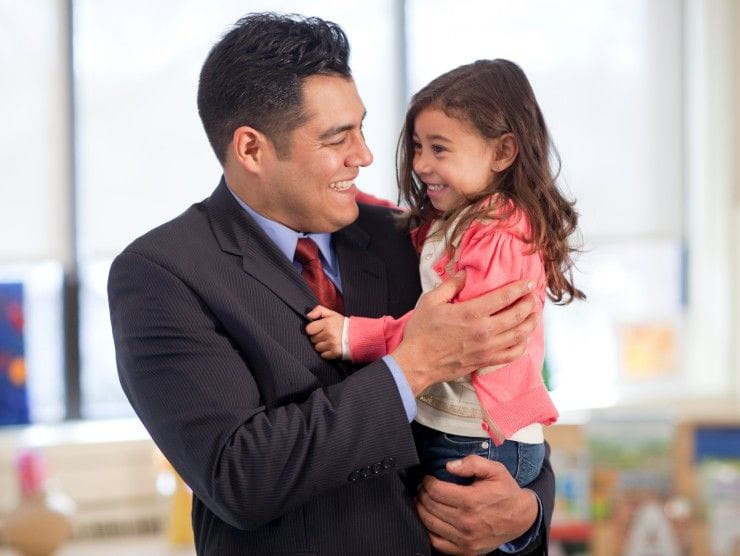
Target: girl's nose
x=421, y=165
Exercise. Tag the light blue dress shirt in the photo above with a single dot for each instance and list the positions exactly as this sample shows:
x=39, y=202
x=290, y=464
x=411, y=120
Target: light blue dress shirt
x=286, y=240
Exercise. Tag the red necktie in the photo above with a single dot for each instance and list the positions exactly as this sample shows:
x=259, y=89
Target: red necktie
x=307, y=253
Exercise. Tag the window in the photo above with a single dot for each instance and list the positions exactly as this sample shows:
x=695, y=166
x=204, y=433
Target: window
x=636, y=94
x=35, y=188
x=608, y=77
x=142, y=154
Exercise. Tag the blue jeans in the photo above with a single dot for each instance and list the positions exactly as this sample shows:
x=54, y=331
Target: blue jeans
x=435, y=448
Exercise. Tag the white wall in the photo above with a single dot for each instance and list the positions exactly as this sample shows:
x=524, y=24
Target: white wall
x=34, y=186
x=144, y=157
x=34, y=146
x=710, y=162
x=735, y=94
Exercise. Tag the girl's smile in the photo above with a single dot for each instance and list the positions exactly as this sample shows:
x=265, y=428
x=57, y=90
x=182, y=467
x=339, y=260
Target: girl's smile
x=451, y=158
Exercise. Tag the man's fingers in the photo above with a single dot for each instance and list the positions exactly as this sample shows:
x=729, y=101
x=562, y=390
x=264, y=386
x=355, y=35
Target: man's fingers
x=516, y=313
x=500, y=348
x=447, y=290
x=518, y=335
x=443, y=545
x=478, y=467
x=444, y=536
x=442, y=498
x=446, y=547
x=445, y=498
x=433, y=522
x=503, y=297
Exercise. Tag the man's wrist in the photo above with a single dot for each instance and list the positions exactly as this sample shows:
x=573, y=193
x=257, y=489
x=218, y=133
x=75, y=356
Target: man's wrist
x=529, y=538
x=408, y=365
x=404, y=389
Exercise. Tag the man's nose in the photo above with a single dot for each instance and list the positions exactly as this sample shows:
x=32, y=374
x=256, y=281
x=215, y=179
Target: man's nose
x=360, y=155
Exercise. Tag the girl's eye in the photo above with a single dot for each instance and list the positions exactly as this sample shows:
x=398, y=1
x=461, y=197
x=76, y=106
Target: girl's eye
x=438, y=149
x=417, y=147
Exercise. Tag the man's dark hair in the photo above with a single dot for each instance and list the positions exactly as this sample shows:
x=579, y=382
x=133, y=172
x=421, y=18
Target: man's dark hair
x=253, y=76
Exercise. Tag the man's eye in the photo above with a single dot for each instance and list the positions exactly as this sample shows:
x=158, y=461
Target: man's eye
x=339, y=141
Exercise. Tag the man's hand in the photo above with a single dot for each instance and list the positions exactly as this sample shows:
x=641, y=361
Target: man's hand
x=326, y=331
x=478, y=518
x=443, y=340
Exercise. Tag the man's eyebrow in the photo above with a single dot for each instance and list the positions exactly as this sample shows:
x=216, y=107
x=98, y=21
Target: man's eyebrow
x=339, y=129
x=335, y=131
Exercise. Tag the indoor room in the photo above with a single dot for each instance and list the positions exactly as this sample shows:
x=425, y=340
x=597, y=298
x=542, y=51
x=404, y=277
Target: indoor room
x=102, y=141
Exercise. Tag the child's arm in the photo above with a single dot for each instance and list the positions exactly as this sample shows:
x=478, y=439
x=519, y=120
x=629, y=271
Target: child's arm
x=370, y=339
x=363, y=341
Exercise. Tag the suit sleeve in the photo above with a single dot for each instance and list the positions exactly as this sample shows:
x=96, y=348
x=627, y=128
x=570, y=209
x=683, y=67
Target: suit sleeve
x=198, y=396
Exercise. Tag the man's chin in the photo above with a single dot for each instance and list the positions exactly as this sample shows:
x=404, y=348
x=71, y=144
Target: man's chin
x=348, y=215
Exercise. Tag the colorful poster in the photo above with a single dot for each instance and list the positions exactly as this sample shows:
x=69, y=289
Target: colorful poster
x=13, y=397
x=649, y=350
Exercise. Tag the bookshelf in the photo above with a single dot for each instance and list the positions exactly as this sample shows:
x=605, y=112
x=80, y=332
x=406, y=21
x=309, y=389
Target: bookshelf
x=621, y=482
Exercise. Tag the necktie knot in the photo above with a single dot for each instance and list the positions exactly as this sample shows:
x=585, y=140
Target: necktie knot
x=307, y=253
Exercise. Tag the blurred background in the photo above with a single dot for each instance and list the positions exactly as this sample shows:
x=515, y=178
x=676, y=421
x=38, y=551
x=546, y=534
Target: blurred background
x=100, y=141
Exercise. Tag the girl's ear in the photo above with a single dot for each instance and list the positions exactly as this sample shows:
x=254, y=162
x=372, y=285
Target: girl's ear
x=505, y=151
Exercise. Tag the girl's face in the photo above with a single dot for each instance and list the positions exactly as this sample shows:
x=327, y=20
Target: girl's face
x=452, y=159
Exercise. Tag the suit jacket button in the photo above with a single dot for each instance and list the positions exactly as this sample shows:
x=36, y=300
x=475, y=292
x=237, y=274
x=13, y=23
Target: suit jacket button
x=353, y=477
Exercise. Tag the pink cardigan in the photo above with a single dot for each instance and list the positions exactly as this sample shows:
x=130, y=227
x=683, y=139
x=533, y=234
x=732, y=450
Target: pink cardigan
x=493, y=254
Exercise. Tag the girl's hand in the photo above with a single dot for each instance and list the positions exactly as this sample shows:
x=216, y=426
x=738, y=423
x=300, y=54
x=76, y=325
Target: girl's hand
x=325, y=331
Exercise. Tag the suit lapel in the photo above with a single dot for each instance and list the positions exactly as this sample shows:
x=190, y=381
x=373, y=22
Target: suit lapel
x=364, y=282
x=238, y=234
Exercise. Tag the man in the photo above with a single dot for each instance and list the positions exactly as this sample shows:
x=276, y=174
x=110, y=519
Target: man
x=287, y=453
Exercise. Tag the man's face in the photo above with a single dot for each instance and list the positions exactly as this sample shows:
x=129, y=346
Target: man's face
x=312, y=189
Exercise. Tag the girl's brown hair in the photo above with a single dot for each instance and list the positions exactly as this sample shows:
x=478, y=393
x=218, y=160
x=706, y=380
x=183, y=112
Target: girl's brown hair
x=496, y=98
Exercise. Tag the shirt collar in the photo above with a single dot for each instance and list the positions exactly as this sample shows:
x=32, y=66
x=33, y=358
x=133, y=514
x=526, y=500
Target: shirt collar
x=286, y=238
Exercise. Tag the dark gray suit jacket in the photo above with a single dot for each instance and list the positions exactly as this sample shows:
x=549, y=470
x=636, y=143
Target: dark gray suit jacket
x=286, y=453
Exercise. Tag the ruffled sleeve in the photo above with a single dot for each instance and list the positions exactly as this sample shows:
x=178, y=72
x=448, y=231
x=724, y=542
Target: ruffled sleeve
x=493, y=255
x=511, y=396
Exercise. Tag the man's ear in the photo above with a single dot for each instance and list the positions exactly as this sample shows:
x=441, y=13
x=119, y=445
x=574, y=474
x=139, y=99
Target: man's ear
x=505, y=151
x=249, y=148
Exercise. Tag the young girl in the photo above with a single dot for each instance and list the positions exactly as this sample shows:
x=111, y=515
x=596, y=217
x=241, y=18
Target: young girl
x=475, y=172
